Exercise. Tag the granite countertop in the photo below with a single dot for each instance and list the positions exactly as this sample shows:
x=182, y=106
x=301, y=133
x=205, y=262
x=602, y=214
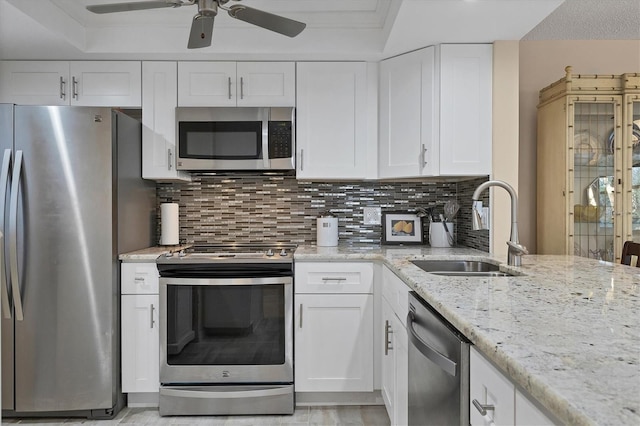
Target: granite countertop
x=150, y=254
x=567, y=330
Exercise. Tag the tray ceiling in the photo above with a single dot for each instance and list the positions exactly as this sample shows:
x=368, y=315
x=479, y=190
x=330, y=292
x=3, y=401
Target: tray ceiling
x=336, y=29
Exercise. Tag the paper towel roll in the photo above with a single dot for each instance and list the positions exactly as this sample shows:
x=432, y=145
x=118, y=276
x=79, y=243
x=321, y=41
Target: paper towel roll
x=169, y=224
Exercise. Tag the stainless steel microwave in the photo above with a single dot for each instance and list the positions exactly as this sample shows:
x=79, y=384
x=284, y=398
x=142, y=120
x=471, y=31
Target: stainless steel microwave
x=236, y=139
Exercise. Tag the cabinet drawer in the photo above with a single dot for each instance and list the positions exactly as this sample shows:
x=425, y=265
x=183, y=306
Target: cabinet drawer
x=139, y=278
x=333, y=277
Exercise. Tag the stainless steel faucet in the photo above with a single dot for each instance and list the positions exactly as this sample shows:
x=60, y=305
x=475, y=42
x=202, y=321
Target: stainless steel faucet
x=516, y=250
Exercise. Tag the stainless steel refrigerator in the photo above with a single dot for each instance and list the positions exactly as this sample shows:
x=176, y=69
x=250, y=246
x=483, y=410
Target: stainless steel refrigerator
x=73, y=196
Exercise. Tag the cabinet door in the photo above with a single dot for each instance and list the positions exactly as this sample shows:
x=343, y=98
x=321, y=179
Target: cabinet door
x=334, y=342
x=388, y=376
x=489, y=387
x=408, y=132
x=35, y=82
x=401, y=357
x=527, y=414
x=106, y=83
x=140, y=343
x=266, y=84
x=159, y=100
x=631, y=158
x=206, y=84
x=331, y=120
x=465, y=109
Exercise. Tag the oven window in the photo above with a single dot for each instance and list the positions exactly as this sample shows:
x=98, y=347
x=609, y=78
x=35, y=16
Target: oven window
x=225, y=325
x=221, y=140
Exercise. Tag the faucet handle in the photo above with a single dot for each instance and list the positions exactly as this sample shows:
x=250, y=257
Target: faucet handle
x=517, y=248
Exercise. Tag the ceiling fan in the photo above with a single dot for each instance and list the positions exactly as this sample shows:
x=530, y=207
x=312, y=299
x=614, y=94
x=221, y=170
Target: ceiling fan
x=202, y=25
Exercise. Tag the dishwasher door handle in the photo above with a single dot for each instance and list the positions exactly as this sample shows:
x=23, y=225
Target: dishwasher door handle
x=440, y=360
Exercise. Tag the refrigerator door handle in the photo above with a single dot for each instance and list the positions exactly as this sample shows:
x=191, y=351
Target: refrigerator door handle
x=13, y=236
x=4, y=182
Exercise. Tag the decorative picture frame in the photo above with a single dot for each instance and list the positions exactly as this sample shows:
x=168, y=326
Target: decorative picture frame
x=401, y=227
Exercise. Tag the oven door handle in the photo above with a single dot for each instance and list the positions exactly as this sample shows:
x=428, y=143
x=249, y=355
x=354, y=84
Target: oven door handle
x=225, y=394
x=175, y=281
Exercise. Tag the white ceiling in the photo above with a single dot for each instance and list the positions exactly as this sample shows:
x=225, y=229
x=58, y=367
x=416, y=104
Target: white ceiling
x=336, y=29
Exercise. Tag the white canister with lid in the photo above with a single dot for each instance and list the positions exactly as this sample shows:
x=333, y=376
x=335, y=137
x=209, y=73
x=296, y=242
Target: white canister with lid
x=327, y=230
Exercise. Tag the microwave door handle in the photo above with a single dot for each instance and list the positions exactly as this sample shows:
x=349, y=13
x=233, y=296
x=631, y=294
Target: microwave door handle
x=265, y=138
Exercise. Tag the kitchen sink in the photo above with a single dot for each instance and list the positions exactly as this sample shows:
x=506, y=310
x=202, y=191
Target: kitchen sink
x=463, y=268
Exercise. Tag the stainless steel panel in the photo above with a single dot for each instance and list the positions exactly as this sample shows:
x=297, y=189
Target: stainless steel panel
x=6, y=142
x=436, y=397
x=64, y=346
x=218, y=400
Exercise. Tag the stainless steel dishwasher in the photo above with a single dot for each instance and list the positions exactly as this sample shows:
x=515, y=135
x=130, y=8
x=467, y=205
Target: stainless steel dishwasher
x=438, y=368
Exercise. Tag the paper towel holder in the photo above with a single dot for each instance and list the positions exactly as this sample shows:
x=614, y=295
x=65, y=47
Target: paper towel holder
x=169, y=224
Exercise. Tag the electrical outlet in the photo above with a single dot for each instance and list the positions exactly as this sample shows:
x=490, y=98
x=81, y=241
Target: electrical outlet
x=372, y=215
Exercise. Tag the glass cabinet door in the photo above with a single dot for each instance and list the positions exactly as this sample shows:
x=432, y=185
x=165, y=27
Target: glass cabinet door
x=632, y=162
x=596, y=195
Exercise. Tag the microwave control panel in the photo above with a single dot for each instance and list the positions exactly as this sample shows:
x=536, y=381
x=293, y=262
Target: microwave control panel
x=280, y=139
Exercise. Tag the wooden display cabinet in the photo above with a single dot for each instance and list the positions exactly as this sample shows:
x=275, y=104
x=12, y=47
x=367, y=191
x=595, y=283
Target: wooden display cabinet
x=588, y=174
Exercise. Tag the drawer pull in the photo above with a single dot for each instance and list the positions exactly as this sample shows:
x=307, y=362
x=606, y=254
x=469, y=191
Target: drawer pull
x=482, y=408
x=334, y=278
x=139, y=279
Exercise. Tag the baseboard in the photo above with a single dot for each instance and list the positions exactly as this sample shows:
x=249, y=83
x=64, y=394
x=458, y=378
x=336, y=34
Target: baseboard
x=142, y=399
x=310, y=399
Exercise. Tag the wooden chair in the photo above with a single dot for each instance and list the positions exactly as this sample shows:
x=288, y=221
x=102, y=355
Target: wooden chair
x=630, y=249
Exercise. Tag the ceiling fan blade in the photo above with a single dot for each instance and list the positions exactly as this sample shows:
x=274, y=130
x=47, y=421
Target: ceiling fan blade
x=279, y=24
x=201, y=31
x=129, y=6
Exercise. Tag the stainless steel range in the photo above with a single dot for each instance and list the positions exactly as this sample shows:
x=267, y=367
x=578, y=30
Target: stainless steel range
x=226, y=335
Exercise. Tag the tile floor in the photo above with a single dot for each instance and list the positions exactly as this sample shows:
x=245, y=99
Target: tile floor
x=365, y=415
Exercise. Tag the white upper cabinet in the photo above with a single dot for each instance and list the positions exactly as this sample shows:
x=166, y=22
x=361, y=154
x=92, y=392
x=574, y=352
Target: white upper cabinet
x=331, y=127
x=202, y=84
x=159, y=101
x=408, y=134
x=435, y=112
x=465, y=109
x=82, y=83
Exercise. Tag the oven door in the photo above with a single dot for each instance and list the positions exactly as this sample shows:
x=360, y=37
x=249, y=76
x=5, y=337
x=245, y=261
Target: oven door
x=226, y=331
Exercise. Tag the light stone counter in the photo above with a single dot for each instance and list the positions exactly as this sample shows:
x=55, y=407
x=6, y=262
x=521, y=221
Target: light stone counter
x=567, y=331
x=150, y=254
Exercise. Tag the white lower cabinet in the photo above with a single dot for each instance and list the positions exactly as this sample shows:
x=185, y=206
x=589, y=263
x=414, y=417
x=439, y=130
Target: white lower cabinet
x=140, y=335
x=395, y=359
x=140, y=343
x=498, y=397
x=333, y=328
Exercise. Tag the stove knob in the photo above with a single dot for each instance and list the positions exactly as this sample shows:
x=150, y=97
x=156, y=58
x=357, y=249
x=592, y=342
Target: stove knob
x=269, y=253
x=170, y=254
x=283, y=252
x=182, y=253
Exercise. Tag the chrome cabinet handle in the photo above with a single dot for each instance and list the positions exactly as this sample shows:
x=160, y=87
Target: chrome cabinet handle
x=169, y=159
x=4, y=182
x=152, y=321
x=334, y=278
x=482, y=408
x=138, y=279
x=241, y=88
x=424, y=155
x=229, y=87
x=74, y=87
x=13, y=237
x=301, y=159
x=387, y=332
x=62, y=86
x=301, y=315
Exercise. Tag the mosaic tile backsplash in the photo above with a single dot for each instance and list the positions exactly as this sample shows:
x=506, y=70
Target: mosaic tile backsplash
x=254, y=209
